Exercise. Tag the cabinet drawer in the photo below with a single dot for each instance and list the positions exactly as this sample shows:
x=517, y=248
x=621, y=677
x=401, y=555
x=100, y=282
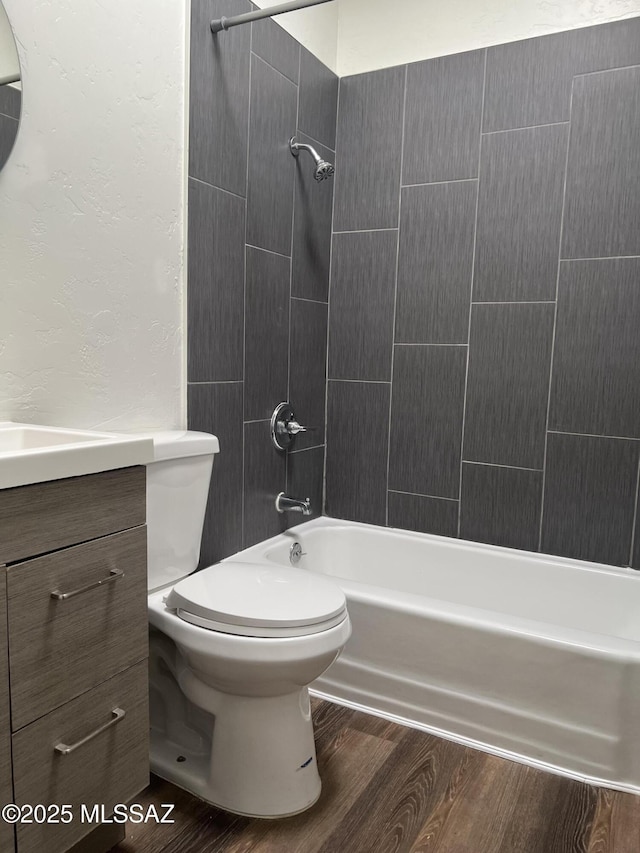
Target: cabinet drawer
x=109, y=767
x=47, y=516
x=59, y=648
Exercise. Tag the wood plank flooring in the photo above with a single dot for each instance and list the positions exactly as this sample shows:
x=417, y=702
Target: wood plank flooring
x=391, y=789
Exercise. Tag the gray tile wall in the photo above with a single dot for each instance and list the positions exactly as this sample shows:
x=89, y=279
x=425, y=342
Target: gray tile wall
x=259, y=250
x=10, y=104
x=484, y=354
x=482, y=264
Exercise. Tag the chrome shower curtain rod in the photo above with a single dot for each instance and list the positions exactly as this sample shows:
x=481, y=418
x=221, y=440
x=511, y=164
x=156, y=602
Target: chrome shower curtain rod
x=226, y=23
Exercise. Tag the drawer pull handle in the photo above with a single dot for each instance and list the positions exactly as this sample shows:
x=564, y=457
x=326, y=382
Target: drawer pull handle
x=63, y=749
x=114, y=575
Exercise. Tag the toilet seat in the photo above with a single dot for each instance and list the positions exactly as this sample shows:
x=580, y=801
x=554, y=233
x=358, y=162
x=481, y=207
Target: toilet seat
x=258, y=600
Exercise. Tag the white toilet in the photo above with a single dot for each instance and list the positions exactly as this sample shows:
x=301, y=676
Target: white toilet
x=232, y=650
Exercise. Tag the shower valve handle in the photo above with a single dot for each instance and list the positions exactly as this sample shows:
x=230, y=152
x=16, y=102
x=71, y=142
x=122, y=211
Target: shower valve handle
x=293, y=427
x=284, y=426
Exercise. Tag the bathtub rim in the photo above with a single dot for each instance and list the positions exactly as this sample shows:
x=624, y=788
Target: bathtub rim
x=326, y=521
x=483, y=619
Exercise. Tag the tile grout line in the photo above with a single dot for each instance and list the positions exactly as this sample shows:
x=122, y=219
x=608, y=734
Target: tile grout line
x=395, y=293
x=402, y=344
x=420, y=495
x=438, y=183
x=635, y=518
x=361, y=381
x=244, y=317
x=216, y=382
x=268, y=64
x=498, y=465
x=216, y=187
x=525, y=127
x=306, y=449
x=304, y=299
x=518, y=302
x=473, y=271
x=593, y=435
x=326, y=362
x=555, y=322
x=364, y=230
x=268, y=251
x=317, y=141
x=606, y=70
x=607, y=258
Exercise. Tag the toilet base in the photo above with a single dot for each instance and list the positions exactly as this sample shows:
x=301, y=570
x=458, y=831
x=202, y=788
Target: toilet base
x=191, y=776
x=253, y=756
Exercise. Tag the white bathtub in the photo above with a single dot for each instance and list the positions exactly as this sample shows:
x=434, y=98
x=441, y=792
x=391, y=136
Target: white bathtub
x=531, y=657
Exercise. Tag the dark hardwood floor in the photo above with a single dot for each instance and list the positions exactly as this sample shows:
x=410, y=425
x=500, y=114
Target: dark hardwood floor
x=389, y=788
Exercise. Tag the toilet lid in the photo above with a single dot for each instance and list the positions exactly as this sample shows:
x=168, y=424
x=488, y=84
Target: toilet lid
x=258, y=600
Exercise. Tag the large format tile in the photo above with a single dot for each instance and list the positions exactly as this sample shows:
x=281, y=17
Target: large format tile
x=426, y=420
x=216, y=284
x=318, y=100
x=368, y=155
x=8, y=133
x=501, y=506
x=437, y=226
x=273, y=44
x=311, y=227
x=508, y=384
x=10, y=101
x=266, y=333
x=271, y=166
x=423, y=514
x=265, y=475
x=442, y=118
x=308, y=369
x=602, y=207
x=305, y=479
x=357, y=443
x=219, y=100
x=362, y=295
x=596, y=363
x=519, y=214
x=529, y=82
x=589, y=497
x=218, y=409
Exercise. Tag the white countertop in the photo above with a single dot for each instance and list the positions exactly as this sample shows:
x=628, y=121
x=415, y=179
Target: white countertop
x=34, y=454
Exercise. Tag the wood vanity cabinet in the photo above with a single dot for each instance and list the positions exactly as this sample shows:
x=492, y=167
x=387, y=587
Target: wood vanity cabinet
x=73, y=648
x=6, y=782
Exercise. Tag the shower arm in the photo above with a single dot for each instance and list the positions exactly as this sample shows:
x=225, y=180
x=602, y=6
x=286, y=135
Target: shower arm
x=297, y=147
x=220, y=24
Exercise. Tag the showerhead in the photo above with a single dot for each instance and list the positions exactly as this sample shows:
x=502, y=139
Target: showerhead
x=323, y=169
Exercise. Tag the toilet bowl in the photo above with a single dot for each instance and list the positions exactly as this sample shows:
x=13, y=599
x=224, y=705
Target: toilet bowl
x=233, y=648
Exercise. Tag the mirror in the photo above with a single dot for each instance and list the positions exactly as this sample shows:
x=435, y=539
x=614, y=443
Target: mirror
x=10, y=88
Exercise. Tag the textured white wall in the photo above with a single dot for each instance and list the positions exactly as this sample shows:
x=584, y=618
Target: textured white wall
x=316, y=28
x=92, y=217
x=380, y=33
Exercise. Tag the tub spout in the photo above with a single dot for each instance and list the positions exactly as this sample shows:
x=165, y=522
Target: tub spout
x=286, y=504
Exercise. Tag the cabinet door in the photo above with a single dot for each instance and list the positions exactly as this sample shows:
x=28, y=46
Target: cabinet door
x=6, y=787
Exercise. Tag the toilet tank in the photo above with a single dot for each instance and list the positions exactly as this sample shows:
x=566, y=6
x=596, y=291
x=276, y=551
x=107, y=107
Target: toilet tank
x=177, y=490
